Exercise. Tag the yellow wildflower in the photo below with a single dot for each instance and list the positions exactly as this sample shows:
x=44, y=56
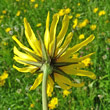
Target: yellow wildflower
x=38, y=25
x=66, y=93
x=95, y=10
x=77, y=15
x=81, y=36
x=3, y=77
x=52, y=50
x=2, y=16
x=4, y=11
x=18, y=13
x=53, y=103
x=83, y=24
x=87, y=61
x=32, y=105
x=68, y=10
x=32, y=0
x=42, y=0
x=70, y=17
x=17, y=0
x=64, y=11
x=5, y=43
x=102, y=13
x=93, y=27
x=78, y=4
x=7, y=29
x=36, y=5
x=75, y=23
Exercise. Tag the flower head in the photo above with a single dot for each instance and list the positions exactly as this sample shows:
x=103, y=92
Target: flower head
x=52, y=104
x=81, y=36
x=93, y=27
x=102, y=12
x=95, y=10
x=66, y=93
x=53, y=52
x=3, y=77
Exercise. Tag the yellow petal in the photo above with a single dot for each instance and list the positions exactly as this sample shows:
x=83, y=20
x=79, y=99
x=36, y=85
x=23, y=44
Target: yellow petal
x=77, y=47
x=30, y=69
x=34, y=43
x=63, y=31
x=20, y=44
x=47, y=34
x=53, y=32
x=72, y=71
x=23, y=55
x=19, y=60
x=66, y=43
x=50, y=85
x=4, y=76
x=37, y=82
x=66, y=59
x=65, y=83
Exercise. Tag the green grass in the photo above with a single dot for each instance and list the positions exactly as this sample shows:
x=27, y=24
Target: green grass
x=95, y=95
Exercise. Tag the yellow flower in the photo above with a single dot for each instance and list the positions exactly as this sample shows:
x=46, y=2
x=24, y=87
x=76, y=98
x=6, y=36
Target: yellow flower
x=81, y=36
x=57, y=55
x=95, y=10
x=36, y=5
x=93, y=27
x=32, y=105
x=32, y=0
x=83, y=24
x=77, y=15
x=75, y=23
x=17, y=0
x=2, y=16
x=66, y=93
x=53, y=103
x=38, y=25
x=78, y=4
x=18, y=13
x=4, y=11
x=68, y=10
x=64, y=11
x=3, y=77
x=70, y=17
x=7, y=29
x=102, y=12
x=87, y=61
x=42, y=0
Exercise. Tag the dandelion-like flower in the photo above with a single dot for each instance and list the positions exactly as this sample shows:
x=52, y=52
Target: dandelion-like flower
x=53, y=53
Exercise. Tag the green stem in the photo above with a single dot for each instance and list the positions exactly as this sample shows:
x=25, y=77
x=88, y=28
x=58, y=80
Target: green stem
x=46, y=71
x=44, y=91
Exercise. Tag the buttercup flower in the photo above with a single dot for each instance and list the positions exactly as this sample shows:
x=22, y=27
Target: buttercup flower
x=75, y=23
x=81, y=36
x=54, y=53
x=3, y=77
x=93, y=27
x=66, y=93
x=95, y=10
x=83, y=23
x=102, y=12
x=18, y=13
x=52, y=104
x=7, y=29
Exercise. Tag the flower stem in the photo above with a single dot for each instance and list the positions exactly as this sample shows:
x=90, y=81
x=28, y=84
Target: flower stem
x=46, y=71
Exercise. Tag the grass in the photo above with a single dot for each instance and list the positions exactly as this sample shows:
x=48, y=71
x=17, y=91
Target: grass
x=95, y=95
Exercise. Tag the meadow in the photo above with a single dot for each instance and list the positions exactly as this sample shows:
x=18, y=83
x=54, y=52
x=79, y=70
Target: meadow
x=86, y=17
